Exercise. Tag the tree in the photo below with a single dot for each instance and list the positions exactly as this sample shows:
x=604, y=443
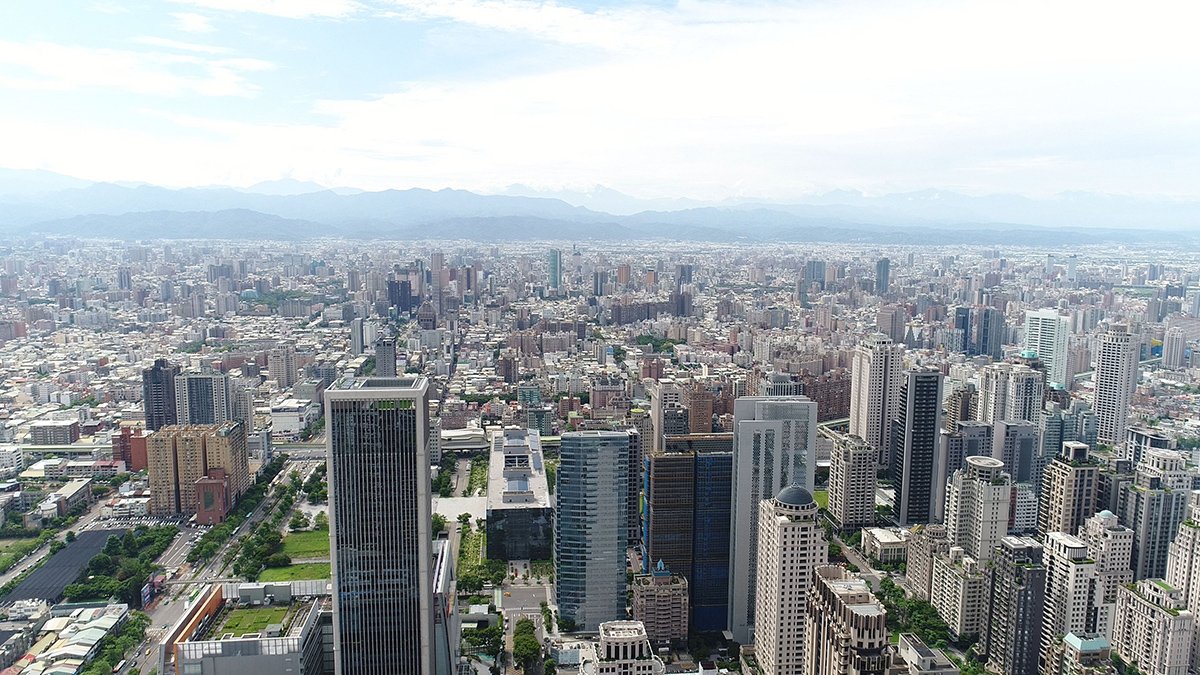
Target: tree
x=321, y=522
x=526, y=649
x=70, y=536
x=464, y=519
x=439, y=524
x=299, y=521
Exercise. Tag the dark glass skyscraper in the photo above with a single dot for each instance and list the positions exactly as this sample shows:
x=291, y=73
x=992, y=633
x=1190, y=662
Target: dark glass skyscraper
x=917, y=470
x=158, y=394
x=380, y=526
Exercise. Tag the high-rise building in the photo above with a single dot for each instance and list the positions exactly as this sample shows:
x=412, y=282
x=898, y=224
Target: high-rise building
x=357, y=342
x=1174, y=350
x=281, y=365
x=925, y=542
x=660, y=602
x=385, y=357
x=989, y=332
x=555, y=269
x=698, y=400
x=774, y=446
x=1139, y=439
x=203, y=398
x=1183, y=568
x=1153, y=507
x=687, y=516
x=1153, y=628
x=892, y=321
x=977, y=505
x=958, y=592
x=624, y=649
x=1017, y=443
x=158, y=394
x=1011, y=637
x=791, y=544
x=1058, y=424
x=845, y=625
x=1116, y=378
x=198, y=469
x=1068, y=494
x=883, y=276
x=966, y=438
x=591, y=522
x=1074, y=596
x=380, y=507
x=1009, y=391
x=875, y=391
x=852, y=471
x=917, y=470
x=1111, y=545
x=1046, y=333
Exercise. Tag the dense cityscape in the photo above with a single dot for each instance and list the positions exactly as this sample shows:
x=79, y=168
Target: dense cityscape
x=452, y=457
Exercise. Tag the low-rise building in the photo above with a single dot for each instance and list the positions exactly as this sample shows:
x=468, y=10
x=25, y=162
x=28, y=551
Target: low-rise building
x=292, y=416
x=54, y=432
x=887, y=545
x=913, y=657
x=623, y=649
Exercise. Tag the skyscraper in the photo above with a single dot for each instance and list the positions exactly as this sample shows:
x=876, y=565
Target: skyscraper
x=1153, y=507
x=380, y=527
x=555, y=267
x=977, y=504
x=774, y=445
x=1068, y=494
x=590, y=525
x=203, y=398
x=874, y=391
x=852, y=471
x=197, y=469
x=845, y=625
x=385, y=357
x=687, y=514
x=791, y=544
x=883, y=276
x=1011, y=636
x=1046, y=333
x=281, y=365
x=158, y=394
x=1074, y=597
x=1116, y=378
x=1174, y=348
x=917, y=470
x=989, y=332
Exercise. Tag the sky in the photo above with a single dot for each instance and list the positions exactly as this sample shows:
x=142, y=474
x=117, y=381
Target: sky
x=703, y=100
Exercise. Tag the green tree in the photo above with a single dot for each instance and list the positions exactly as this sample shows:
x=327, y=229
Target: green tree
x=526, y=649
x=439, y=524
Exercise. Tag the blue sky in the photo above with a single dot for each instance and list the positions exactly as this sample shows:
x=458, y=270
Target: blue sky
x=707, y=100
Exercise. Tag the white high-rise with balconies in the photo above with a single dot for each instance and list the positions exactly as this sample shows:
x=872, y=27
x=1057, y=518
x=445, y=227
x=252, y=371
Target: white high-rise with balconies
x=977, y=506
x=1116, y=379
x=875, y=390
x=1046, y=334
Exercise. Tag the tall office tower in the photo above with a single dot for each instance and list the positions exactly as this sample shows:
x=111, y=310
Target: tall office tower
x=1183, y=568
x=962, y=325
x=875, y=390
x=1153, y=507
x=1068, y=494
x=1015, y=600
x=1174, y=350
x=774, y=446
x=198, y=469
x=1017, y=443
x=977, y=504
x=814, y=272
x=989, y=330
x=385, y=357
x=845, y=626
x=852, y=470
x=687, y=514
x=1153, y=628
x=917, y=468
x=892, y=321
x=555, y=267
x=699, y=403
x=967, y=438
x=281, y=365
x=791, y=544
x=1074, y=598
x=203, y=398
x=1116, y=378
x=158, y=394
x=380, y=513
x=924, y=544
x=633, y=488
x=665, y=396
x=590, y=525
x=1009, y=392
x=357, y=343
x=1057, y=425
x=1111, y=545
x=1046, y=334
x=883, y=276
x=437, y=281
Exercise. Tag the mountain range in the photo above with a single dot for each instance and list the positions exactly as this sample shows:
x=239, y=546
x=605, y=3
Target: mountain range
x=45, y=203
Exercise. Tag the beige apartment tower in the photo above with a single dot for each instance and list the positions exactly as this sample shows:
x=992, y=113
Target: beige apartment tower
x=184, y=460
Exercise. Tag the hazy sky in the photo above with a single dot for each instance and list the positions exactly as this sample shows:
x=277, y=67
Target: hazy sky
x=698, y=99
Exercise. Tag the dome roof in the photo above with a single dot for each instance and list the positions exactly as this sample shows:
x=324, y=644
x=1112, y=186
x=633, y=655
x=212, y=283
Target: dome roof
x=794, y=495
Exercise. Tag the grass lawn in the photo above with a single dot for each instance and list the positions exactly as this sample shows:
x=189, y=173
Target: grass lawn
x=252, y=619
x=822, y=498
x=303, y=545
x=9, y=543
x=301, y=572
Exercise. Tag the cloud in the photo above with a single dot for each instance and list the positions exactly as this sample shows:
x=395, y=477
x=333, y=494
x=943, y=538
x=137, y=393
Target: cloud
x=50, y=66
x=179, y=45
x=189, y=22
x=289, y=9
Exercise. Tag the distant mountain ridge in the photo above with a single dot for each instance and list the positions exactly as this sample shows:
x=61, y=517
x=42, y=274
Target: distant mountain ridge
x=46, y=203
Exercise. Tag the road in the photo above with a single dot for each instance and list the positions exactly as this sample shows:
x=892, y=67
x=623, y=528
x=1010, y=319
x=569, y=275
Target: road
x=85, y=521
x=870, y=575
